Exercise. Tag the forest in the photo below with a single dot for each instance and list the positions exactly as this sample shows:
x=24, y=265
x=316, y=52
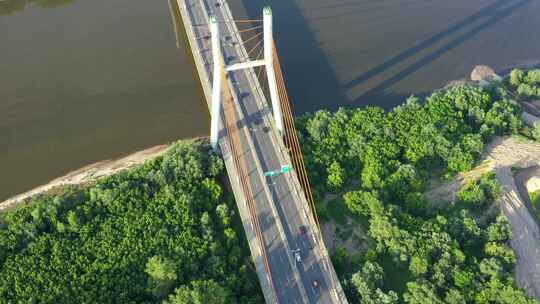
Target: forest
x=165, y=232
x=379, y=164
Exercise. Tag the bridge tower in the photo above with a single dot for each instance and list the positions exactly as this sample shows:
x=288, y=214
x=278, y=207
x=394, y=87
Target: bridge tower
x=216, y=82
x=267, y=62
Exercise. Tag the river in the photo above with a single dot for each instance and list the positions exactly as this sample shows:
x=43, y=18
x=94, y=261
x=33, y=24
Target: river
x=82, y=81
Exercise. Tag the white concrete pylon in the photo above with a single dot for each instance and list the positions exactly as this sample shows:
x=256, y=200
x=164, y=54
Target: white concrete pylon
x=269, y=58
x=216, y=83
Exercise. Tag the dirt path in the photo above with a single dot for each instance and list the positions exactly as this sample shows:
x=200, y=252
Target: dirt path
x=89, y=173
x=525, y=234
x=501, y=155
x=501, y=152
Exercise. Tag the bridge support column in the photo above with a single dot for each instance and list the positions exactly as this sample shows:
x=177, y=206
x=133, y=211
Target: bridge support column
x=216, y=83
x=270, y=72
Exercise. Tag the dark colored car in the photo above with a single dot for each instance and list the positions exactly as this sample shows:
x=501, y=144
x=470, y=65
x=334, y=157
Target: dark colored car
x=303, y=230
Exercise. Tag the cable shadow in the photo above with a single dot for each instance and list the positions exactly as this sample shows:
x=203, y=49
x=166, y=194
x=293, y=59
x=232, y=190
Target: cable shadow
x=334, y=5
x=485, y=12
x=495, y=17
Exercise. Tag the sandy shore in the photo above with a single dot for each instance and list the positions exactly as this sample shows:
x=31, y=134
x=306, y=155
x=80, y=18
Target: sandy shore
x=89, y=174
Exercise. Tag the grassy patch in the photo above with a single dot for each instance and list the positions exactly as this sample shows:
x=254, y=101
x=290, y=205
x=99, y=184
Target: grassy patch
x=535, y=200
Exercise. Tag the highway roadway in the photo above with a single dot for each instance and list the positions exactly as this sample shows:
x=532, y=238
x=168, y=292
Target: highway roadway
x=280, y=209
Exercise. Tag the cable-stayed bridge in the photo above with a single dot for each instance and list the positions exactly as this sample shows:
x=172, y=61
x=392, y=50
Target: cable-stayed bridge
x=238, y=66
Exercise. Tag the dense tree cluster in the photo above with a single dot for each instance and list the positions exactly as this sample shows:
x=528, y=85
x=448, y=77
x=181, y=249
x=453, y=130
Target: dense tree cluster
x=535, y=132
x=525, y=83
x=379, y=163
x=393, y=151
x=478, y=194
x=161, y=232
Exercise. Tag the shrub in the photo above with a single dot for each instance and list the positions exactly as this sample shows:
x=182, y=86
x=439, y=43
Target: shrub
x=478, y=193
x=516, y=77
x=533, y=76
x=472, y=196
x=535, y=132
x=526, y=84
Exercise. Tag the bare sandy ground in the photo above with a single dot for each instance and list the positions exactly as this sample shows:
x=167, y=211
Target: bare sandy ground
x=501, y=155
x=89, y=173
x=525, y=235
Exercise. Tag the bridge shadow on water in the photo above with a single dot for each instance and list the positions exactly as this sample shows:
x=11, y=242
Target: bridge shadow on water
x=356, y=7
x=310, y=76
x=473, y=25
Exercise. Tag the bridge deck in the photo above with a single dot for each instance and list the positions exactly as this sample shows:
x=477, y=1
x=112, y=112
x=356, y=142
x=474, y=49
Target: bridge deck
x=281, y=207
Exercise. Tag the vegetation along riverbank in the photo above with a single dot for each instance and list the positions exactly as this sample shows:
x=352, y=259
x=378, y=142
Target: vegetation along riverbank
x=164, y=231
x=370, y=169
x=413, y=210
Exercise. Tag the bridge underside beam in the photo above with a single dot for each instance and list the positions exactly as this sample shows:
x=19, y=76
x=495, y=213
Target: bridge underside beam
x=245, y=65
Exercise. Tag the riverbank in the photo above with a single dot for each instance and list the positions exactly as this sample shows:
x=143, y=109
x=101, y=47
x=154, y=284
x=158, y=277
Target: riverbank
x=88, y=174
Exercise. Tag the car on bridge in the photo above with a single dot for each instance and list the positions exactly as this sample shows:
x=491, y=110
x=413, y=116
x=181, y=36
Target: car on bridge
x=297, y=256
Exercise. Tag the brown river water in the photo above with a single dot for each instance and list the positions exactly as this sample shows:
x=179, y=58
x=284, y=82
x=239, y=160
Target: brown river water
x=82, y=81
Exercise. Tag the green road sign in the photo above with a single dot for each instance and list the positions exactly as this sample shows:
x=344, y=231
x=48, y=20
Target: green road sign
x=270, y=173
x=284, y=169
